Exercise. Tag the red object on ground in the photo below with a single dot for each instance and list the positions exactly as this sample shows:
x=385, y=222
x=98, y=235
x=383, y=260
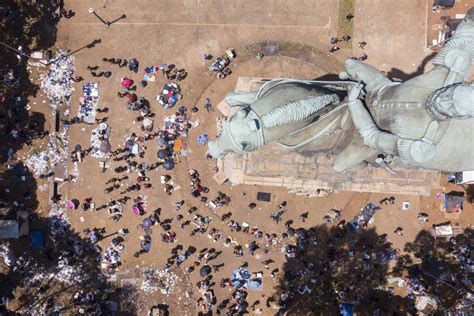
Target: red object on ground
x=127, y=83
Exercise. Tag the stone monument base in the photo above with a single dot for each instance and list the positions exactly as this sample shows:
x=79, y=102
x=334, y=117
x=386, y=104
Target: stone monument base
x=313, y=176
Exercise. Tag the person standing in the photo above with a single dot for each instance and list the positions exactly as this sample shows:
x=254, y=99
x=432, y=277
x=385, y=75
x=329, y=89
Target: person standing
x=208, y=105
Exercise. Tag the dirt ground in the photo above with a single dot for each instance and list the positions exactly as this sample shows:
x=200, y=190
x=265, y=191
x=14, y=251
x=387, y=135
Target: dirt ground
x=180, y=32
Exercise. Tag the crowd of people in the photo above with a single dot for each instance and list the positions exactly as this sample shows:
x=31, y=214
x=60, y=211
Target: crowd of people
x=134, y=178
x=334, y=41
x=199, y=212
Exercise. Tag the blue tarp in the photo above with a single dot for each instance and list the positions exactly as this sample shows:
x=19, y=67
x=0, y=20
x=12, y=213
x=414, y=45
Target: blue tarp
x=241, y=279
x=364, y=217
x=37, y=238
x=202, y=139
x=346, y=309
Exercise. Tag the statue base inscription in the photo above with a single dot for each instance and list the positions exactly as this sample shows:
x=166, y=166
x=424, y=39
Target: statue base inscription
x=313, y=175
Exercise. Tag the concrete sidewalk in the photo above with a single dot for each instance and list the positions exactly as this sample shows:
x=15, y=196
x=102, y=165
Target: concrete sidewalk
x=395, y=32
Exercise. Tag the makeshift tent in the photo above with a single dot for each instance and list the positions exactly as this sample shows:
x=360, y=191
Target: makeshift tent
x=9, y=229
x=161, y=142
x=301, y=233
x=453, y=202
x=290, y=231
x=447, y=230
x=105, y=147
x=255, y=284
x=202, y=139
x=22, y=217
x=15, y=228
x=241, y=278
x=443, y=230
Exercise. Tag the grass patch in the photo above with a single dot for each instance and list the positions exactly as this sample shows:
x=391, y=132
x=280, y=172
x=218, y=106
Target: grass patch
x=344, y=26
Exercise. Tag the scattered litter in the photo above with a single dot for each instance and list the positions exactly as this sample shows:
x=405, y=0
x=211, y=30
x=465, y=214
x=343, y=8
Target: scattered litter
x=159, y=279
x=59, y=223
x=6, y=254
x=58, y=83
x=42, y=162
x=38, y=162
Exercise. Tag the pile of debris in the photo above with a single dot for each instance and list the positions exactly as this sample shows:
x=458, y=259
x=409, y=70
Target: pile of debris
x=69, y=274
x=58, y=83
x=38, y=162
x=43, y=162
x=159, y=279
x=58, y=148
x=59, y=223
x=5, y=253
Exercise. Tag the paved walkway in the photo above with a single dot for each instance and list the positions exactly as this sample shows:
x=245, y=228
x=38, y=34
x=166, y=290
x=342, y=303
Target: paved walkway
x=395, y=32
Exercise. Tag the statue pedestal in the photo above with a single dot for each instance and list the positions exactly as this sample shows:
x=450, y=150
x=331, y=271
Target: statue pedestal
x=313, y=175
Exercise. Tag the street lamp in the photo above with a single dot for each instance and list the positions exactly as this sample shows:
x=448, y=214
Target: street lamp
x=92, y=11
